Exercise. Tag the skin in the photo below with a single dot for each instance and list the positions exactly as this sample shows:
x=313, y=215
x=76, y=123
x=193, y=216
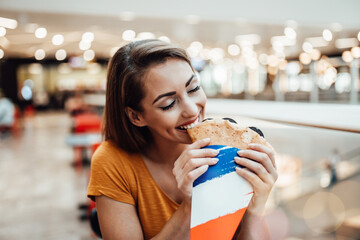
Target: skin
x=175, y=162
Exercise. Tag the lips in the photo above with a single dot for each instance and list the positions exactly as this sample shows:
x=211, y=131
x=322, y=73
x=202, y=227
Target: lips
x=189, y=124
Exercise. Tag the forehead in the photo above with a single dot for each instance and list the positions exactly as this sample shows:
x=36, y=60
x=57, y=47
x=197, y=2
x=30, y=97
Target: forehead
x=167, y=76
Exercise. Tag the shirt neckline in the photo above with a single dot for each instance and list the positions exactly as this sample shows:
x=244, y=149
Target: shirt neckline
x=155, y=183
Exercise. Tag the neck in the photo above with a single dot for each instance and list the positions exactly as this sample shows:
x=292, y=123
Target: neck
x=164, y=152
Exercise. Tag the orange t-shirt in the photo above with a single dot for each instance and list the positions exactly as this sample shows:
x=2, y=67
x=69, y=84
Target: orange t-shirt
x=125, y=178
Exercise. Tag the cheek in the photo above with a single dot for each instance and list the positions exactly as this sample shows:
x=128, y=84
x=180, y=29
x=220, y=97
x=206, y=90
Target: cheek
x=203, y=98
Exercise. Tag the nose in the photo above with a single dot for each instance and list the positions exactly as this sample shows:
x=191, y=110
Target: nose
x=190, y=108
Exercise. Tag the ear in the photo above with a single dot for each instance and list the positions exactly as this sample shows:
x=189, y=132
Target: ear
x=135, y=117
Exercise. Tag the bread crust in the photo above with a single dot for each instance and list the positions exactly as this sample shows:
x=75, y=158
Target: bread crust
x=223, y=132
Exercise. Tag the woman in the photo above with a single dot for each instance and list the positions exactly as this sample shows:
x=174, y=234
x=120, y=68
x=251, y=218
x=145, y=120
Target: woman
x=142, y=175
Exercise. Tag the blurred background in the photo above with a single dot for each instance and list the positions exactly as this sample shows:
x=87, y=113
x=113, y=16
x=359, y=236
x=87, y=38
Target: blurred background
x=290, y=68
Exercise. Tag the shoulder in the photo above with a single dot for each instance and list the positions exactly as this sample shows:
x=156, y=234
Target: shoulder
x=108, y=152
x=110, y=158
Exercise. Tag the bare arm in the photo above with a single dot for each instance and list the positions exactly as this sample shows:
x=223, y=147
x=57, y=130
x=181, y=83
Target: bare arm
x=120, y=220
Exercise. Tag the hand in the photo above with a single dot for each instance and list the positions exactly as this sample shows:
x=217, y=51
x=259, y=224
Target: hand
x=191, y=164
x=260, y=172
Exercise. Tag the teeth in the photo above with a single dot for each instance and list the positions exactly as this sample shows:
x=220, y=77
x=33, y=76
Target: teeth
x=190, y=125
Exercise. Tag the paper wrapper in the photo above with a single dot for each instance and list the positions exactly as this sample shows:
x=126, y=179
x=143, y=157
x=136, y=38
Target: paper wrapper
x=220, y=198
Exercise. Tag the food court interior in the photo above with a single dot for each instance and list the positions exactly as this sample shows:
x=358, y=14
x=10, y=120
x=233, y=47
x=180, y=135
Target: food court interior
x=290, y=68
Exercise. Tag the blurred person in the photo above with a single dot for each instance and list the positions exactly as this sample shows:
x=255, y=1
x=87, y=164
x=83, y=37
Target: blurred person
x=75, y=104
x=7, y=114
x=142, y=175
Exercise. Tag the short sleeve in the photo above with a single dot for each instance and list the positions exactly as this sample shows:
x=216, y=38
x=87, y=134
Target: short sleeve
x=111, y=175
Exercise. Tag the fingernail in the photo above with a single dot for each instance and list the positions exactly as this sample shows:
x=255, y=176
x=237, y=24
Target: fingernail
x=207, y=139
x=215, y=160
x=240, y=153
x=251, y=145
x=237, y=159
x=215, y=151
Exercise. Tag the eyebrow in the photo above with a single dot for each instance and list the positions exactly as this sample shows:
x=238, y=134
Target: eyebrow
x=173, y=93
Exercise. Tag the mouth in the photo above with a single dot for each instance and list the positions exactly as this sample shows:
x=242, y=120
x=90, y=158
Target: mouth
x=189, y=124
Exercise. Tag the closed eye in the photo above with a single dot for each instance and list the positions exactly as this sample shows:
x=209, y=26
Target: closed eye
x=168, y=106
x=195, y=89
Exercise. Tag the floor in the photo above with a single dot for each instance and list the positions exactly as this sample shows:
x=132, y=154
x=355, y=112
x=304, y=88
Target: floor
x=40, y=189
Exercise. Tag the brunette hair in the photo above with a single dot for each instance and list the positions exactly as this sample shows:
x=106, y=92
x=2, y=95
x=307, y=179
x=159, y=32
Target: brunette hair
x=125, y=76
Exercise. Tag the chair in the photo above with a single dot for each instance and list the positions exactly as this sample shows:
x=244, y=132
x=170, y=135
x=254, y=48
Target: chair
x=94, y=223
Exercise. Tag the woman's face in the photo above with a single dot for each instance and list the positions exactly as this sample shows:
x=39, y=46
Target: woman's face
x=173, y=101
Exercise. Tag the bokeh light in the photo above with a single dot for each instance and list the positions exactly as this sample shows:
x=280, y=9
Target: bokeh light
x=57, y=39
x=60, y=54
x=40, y=54
x=128, y=35
x=324, y=212
x=40, y=32
x=347, y=57
x=2, y=31
x=89, y=55
x=327, y=35
x=26, y=93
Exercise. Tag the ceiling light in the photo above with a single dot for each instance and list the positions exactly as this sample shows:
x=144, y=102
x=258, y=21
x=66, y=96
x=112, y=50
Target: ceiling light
x=39, y=54
x=4, y=42
x=40, y=32
x=8, y=23
x=317, y=42
x=58, y=39
x=263, y=59
x=2, y=31
x=88, y=37
x=273, y=61
x=128, y=35
x=84, y=45
x=89, y=55
x=346, y=42
x=307, y=47
x=290, y=33
x=145, y=35
x=251, y=39
x=165, y=39
x=327, y=35
x=1, y=53
x=346, y=56
x=305, y=58
x=315, y=54
x=283, y=40
x=355, y=52
x=60, y=54
x=233, y=49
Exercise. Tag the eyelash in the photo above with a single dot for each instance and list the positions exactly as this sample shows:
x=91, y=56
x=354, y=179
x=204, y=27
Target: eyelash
x=172, y=104
x=195, y=89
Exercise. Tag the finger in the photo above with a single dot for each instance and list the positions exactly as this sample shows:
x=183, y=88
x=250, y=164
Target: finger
x=264, y=149
x=195, y=153
x=198, y=162
x=257, y=168
x=199, y=143
x=194, y=174
x=180, y=162
x=251, y=177
x=259, y=157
